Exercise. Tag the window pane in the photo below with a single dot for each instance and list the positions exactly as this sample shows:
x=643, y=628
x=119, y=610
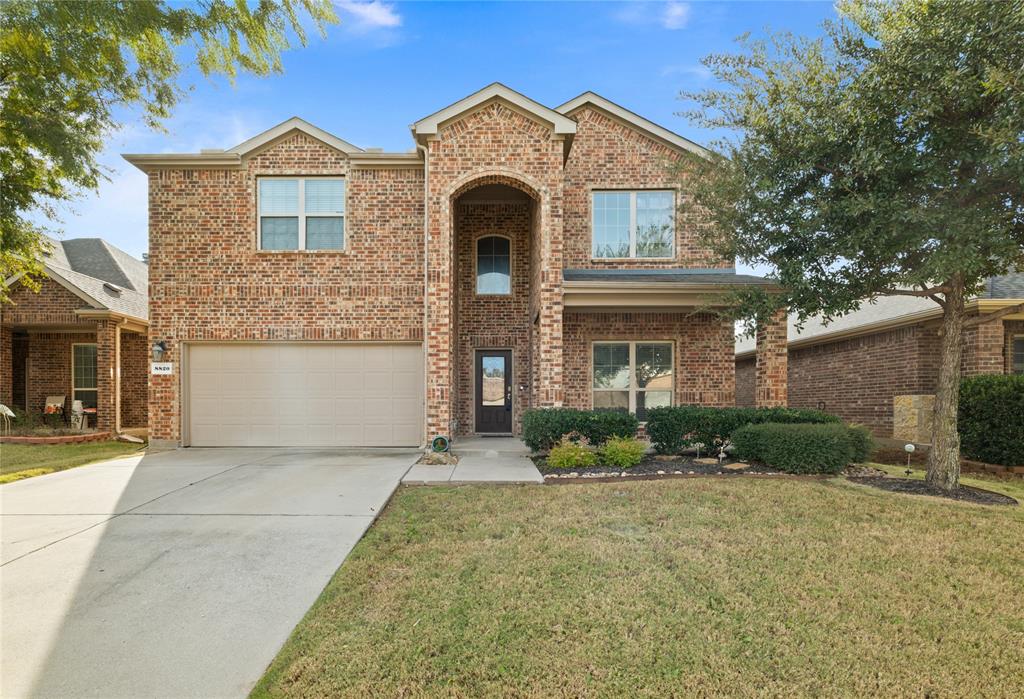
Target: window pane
x=1018, y=355
x=493, y=266
x=88, y=397
x=85, y=366
x=611, y=365
x=654, y=365
x=651, y=399
x=655, y=233
x=611, y=224
x=325, y=233
x=325, y=196
x=612, y=400
x=279, y=233
x=279, y=197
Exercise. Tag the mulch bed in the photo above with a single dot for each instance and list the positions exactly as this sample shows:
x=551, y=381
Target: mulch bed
x=56, y=439
x=650, y=466
x=914, y=487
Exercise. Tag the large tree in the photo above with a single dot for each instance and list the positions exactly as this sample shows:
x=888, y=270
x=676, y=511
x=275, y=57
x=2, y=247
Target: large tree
x=68, y=69
x=884, y=158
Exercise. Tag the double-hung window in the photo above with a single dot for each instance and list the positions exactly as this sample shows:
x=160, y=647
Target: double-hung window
x=297, y=213
x=83, y=374
x=633, y=224
x=632, y=376
x=1017, y=355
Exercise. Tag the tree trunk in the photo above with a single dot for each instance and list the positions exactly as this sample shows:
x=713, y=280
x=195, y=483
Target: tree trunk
x=944, y=456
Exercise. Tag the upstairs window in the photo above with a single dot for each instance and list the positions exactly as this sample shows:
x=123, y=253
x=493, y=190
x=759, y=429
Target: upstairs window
x=493, y=266
x=301, y=213
x=638, y=224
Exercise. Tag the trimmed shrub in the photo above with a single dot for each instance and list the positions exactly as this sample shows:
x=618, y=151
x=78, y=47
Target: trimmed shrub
x=675, y=428
x=570, y=454
x=543, y=428
x=800, y=448
x=623, y=452
x=991, y=419
x=861, y=442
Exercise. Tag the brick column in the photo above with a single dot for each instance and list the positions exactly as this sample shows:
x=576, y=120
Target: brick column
x=6, y=366
x=984, y=347
x=106, y=374
x=550, y=359
x=771, y=379
x=438, y=342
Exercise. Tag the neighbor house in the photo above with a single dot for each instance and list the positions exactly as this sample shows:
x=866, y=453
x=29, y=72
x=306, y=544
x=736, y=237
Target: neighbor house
x=878, y=366
x=310, y=292
x=81, y=336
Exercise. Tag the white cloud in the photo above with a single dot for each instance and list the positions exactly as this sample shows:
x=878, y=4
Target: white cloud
x=670, y=15
x=371, y=15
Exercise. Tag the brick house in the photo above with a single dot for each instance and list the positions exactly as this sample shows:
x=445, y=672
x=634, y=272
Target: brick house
x=878, y=366
x=310, y=292
x=82, y=336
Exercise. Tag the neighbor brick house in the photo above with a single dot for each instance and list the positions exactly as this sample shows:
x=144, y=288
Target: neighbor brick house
x=310, y=292
x=83, y=335
x=878, y=366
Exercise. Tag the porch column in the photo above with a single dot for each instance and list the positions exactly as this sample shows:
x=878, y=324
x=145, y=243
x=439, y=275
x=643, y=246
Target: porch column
x=439, y=337
x=107, y=370
x=771, y=379
x=6, y=366
x=550, y=367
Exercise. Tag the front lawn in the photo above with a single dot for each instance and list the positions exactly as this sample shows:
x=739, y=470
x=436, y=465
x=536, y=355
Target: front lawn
x=688, y=587
x=19, y=461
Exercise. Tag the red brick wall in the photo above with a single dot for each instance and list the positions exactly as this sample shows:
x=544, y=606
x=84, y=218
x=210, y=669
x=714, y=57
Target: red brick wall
x=984, y=351
x=134, y=379
x=704, y=368
x=208, y=281
x=52, y=305
x=607, y=154
x=6, y=365
x=491, y=322
x=49, y=366
x=746, y=375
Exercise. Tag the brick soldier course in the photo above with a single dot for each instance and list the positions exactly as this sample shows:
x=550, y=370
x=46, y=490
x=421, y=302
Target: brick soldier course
x=494, y=163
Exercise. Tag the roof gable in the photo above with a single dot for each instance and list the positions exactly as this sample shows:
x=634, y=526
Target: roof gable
x=632, y=119
x=561, y=124
x=286, y=127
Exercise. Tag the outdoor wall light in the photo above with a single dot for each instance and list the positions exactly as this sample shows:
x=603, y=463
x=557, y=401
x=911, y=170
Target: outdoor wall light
x=158, y=349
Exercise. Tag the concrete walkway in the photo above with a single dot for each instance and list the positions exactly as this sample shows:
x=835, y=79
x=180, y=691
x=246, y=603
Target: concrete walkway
x=177, y=574
x=481, y=460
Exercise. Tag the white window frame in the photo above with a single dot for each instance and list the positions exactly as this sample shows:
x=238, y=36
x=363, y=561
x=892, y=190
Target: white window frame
x=633, y=387
x=301, y=213
x=75, y=389
x=632, y=223
x=476, y=263
x=1013, y=367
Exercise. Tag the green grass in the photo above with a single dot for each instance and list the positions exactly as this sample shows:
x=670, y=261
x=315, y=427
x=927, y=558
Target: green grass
x=18, y=461
x=695, y=587
x=1014, y=487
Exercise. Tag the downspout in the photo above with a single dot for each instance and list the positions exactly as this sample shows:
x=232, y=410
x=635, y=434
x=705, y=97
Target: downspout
x=426, y=283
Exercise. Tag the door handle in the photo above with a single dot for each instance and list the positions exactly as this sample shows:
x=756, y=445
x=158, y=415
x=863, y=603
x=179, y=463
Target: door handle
x=508, y=398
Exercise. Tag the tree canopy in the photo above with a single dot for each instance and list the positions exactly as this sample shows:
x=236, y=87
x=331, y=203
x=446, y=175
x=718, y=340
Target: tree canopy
x=66, y=68
x=884, y=158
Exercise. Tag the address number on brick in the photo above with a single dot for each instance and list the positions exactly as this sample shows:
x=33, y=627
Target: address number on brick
x=162, y=368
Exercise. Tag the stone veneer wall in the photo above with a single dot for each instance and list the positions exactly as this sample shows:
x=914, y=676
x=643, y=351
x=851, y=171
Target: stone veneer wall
x=702, y=350
x=208, y=281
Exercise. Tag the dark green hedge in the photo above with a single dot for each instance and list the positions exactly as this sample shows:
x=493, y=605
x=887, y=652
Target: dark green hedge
x=543, y=427
x=678, y=427
x=991, y=419
x=802, y=448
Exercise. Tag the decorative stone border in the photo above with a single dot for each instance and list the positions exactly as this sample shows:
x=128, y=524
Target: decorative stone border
x=994, y=469
x=57, y=439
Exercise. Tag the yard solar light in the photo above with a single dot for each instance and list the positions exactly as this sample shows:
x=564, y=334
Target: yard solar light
x=910, y=450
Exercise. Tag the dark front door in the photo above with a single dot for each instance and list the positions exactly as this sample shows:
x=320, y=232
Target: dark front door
x=494, y=391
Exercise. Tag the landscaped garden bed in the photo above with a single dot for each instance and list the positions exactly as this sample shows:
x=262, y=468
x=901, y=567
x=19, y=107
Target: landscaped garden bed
x=919, y=487
x=656, y=465
x=57, y=438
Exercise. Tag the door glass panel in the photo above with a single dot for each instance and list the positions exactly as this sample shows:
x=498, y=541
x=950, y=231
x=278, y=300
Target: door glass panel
x=493, y=381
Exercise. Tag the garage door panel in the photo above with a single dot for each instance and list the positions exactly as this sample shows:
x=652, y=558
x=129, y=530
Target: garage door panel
x=305, y=395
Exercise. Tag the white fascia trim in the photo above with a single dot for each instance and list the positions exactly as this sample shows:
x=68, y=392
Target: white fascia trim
x=561, y=124
x=634, y=119
x=294, y=124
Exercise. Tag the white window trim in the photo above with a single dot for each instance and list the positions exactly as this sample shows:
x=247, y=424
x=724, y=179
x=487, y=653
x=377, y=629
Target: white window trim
x=632, y=224
x=476, y=263
x=633, y=387
x=74, y=388
x=301, y=214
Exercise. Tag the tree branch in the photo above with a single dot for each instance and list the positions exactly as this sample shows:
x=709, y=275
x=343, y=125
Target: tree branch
x=923, y=292
x=994, y=315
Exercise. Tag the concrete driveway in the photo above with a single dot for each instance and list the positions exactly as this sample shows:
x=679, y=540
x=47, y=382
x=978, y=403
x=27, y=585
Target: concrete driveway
x=177, y=574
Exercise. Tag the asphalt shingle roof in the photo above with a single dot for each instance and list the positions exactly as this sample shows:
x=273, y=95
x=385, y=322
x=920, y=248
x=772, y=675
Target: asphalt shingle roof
x=92, y=264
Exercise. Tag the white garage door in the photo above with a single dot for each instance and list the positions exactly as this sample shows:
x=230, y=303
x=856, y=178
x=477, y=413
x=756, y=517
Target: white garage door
x=251, y=395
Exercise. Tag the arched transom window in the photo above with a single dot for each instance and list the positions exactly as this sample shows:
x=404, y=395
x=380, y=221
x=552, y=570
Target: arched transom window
x=493, y=265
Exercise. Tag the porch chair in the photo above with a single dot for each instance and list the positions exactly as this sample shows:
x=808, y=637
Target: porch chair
x=55, y=404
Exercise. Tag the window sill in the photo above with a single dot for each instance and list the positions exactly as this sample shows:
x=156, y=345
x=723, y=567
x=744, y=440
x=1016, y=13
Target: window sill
x=633, y=259
x=302, y=252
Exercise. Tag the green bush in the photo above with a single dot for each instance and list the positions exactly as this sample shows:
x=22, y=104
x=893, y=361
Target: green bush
x=991, y=419
x=800, y=448
x=543, y=428
x=861, y=442
x=675, y=428
x=623, y=452
x=570, y=454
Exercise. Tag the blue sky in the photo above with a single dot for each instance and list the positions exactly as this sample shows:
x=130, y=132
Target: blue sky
x=390, y=63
